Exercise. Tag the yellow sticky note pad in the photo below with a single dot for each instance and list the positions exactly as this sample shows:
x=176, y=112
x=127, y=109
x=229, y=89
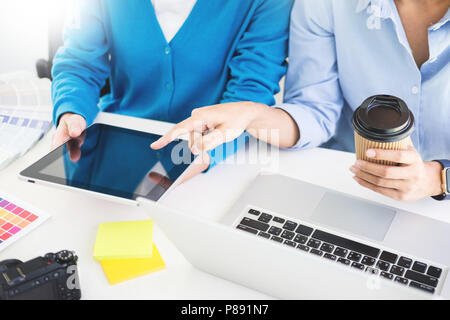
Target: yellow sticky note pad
x=126, y=269
x=124, y=240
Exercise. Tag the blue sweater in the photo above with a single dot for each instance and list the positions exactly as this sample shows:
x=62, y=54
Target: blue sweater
x=226, y=51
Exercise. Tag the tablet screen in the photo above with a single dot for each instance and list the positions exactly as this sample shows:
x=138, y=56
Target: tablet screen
x=114, y=161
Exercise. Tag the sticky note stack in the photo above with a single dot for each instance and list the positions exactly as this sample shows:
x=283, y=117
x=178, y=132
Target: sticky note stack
x=126, y=250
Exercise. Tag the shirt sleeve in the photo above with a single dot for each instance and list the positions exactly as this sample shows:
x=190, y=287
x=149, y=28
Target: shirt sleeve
x=258, y=64
x=313, y=96
x=81, y=66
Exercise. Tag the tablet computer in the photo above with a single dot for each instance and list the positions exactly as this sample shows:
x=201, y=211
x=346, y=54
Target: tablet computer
x=113, y=162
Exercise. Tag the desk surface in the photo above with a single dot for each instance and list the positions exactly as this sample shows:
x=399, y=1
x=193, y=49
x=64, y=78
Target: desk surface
x=76, y=216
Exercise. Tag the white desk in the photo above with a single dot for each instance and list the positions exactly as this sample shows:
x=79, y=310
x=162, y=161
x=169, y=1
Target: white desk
x=75, y=218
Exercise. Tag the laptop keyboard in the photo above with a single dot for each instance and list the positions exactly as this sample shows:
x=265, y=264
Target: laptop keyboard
x=388, y=264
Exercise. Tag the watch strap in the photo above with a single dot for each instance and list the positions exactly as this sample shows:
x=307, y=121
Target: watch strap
x=443, y=196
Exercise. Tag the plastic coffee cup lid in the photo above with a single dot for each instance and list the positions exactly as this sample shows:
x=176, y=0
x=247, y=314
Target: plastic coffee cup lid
x=383, y=118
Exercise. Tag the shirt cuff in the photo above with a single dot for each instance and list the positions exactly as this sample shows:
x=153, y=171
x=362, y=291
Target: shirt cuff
x=309, y=136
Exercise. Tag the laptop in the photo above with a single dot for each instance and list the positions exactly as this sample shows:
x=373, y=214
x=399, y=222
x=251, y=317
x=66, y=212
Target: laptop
x=295, y=240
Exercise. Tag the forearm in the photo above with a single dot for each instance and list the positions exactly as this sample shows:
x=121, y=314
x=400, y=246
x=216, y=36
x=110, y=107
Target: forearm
x=273, y=126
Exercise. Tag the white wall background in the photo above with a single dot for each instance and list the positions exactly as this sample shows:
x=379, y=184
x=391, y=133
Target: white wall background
x=24, y=32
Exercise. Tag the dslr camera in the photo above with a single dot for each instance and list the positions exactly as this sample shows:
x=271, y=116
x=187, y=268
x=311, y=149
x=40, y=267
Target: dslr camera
x=51, y=277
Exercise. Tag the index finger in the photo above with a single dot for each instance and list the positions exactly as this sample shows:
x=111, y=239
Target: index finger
x=182, y=128
x=409, y=156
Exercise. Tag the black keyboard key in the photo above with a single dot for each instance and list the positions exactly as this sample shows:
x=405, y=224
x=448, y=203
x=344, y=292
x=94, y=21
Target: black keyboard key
x=254, y=212
x=421, y=286
x=358, y=265
x=346, y=243
x=287, y=234
x=274, y=230
x=404, y=262
x=248, y=229
x=330, y=256
x=327, y=247
x=261, y=226
x=399, y=271
x=315, y=251
x=313, y=243
x=290, y=225
x=434, y=272
x=290, y=243
x=388, y=257
x=264, y=235
x=341, y=252
x=305, y=230
x=300, y=239
x=277, y=239
x=422, y=278
x=303, y=247
x=278, y=219
x=354, y=256
x=372, y=270
x=382, y=265
x=344, y=261
x=264, y=217
x=401, y=280
x=419, y=266
x=387, y=275
x=368, y=261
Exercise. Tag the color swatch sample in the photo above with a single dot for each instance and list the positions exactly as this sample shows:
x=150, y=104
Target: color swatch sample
x=124, y=240
x=126, y=269
x=16, y=219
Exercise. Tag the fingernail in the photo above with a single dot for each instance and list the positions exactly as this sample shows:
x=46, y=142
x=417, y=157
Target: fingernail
x=353, y=169
x=358, y=163
x=194, y=150
x=371, y=153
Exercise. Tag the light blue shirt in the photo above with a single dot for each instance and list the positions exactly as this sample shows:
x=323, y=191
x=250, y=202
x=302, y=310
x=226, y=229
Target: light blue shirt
x=342, y=52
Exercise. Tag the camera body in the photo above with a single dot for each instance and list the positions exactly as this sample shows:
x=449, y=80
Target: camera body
x=52, y=277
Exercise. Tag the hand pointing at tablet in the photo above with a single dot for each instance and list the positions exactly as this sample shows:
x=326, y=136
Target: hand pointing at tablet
x=209, y=127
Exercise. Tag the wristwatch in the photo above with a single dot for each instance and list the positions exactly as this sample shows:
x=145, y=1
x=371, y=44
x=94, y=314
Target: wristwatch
x=445, y=180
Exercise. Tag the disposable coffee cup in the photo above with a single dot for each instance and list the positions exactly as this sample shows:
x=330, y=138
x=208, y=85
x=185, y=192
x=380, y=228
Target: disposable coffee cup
x=382, y=122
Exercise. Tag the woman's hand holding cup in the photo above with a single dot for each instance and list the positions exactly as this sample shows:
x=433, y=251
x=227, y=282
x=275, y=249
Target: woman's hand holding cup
x=412, y=179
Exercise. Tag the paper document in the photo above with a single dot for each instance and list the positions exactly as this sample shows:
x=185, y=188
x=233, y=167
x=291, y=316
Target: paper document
x=25, y=113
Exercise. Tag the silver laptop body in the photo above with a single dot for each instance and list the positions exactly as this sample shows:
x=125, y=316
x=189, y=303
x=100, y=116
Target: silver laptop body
x=377, y=241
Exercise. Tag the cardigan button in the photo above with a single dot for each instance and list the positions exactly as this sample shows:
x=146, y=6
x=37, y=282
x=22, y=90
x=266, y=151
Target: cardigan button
x=168, y=86
x=167, y=50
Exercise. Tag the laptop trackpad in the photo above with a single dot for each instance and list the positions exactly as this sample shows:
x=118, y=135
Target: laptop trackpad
x=353, y=215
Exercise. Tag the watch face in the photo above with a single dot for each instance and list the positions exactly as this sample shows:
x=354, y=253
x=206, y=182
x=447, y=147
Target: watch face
x=447, y=178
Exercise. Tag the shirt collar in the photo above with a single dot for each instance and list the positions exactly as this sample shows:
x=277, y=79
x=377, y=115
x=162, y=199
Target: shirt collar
x=379, y=8
x=441, y=22
x=385, y=9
